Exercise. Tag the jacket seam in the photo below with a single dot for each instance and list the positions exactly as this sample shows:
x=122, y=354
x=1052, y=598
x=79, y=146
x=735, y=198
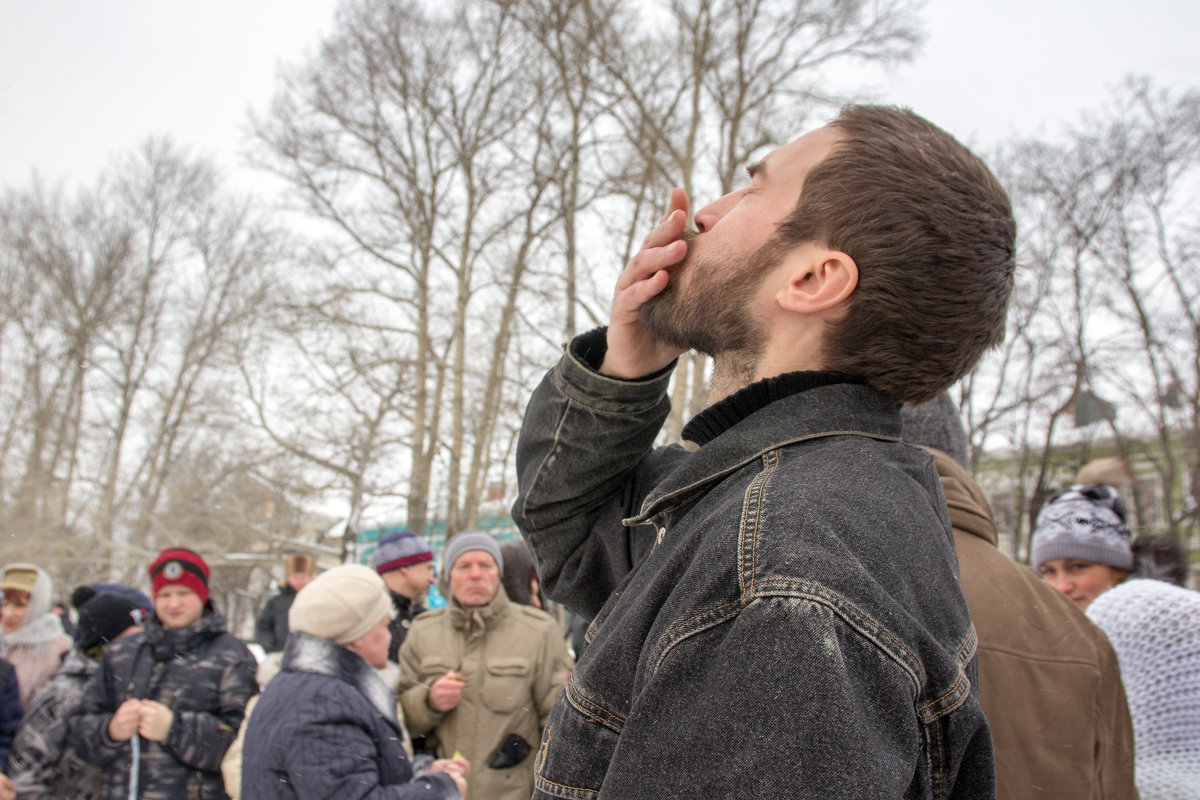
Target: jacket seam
x=753, y=500
x=690, y=626
x=858, y=620
x=656, y=505
x=577, y=698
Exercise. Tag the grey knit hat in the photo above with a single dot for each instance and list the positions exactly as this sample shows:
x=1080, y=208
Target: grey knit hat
x=472, y=540
x=1083, y=522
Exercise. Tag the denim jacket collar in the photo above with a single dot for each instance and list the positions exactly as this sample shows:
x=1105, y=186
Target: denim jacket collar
x=837, y=409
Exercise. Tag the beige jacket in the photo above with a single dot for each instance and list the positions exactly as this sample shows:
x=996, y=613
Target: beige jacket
x=514, y=659
x=1049, y=681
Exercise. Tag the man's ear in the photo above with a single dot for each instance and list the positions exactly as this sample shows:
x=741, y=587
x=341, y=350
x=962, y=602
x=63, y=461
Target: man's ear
x=819, y=279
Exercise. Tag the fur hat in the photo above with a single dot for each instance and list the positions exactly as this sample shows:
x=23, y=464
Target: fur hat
x=1083, y=522
x=467, y=541
x=341, y=604
x=104, y=618
x=178, y=566
x=300, y=563
x=398, y=549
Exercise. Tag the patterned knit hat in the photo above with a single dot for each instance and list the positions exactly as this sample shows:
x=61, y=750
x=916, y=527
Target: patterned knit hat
x=1154, y=628
x=1083, y=522
x=398, y=549
x=178, y=566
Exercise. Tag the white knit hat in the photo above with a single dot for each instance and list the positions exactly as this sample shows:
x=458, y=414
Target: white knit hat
x=341, y=605
x=1155, y=629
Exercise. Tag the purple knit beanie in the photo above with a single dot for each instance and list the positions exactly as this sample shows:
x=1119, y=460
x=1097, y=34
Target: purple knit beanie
x=398, y=549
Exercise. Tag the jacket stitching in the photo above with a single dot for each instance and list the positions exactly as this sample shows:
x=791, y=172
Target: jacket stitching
x=690, y=626
x=754, y=500
x=578, y=699
x=654, y=504
x=541, y=774
x=857, y=620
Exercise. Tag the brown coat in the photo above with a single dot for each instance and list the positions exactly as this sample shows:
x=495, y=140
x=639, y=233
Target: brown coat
x=515, y=661
x=1049, y=681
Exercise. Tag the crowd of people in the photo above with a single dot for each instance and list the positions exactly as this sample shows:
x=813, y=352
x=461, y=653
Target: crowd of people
x=807, y=602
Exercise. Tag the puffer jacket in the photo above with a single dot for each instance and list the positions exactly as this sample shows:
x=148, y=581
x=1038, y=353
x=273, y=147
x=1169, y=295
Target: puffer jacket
x=204, y=674
x=42, y=766
x=1044, y=668
x=797, y=628
x=514, y=659
x=326, y=726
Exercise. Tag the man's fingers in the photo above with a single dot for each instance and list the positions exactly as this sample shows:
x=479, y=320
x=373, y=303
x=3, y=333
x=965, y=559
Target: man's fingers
x=668, y=230
x=646, y=263
x=636, y=294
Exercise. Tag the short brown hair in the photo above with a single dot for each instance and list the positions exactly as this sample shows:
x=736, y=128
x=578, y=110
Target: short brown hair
x=933, y=235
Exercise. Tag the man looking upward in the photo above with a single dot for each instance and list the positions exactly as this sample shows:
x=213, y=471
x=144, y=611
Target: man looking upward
x=777, y=614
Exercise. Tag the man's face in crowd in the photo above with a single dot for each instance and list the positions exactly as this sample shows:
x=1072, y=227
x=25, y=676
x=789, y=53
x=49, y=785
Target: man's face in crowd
x=474, y=578
x=711, y=301
x=412, y=581
x=298, y=580
x=178, y=606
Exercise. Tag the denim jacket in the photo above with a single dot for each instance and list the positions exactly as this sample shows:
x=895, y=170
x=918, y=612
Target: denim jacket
x=778, y=613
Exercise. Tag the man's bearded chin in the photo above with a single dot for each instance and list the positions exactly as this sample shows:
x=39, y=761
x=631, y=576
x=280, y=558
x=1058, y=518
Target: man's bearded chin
x=670, y=317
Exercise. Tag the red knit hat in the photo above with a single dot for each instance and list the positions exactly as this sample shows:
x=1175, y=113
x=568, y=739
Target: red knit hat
x=178, y=566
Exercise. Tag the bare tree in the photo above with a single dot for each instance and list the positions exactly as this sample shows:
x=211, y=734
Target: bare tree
x=133, y=294
x=1103, y=340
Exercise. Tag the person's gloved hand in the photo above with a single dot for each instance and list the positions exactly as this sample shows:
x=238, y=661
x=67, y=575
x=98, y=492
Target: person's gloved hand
x=513, y=750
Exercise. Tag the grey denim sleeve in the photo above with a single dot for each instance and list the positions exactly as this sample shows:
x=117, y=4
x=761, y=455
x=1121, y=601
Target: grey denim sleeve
x=585, y=460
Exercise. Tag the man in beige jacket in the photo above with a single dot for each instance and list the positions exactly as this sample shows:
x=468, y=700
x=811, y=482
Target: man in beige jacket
x=1049, y=681
x=482, y=674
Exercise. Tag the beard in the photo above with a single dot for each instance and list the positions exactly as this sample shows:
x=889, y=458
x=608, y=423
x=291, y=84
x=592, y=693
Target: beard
x=712, y=313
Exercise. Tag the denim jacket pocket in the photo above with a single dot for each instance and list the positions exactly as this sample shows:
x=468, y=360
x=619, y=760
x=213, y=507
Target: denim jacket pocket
x=577, y=745
x=506, y=685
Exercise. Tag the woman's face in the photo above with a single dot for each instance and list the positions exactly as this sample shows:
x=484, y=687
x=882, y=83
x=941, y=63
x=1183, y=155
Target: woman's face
x=1081, y=581
x=16, y=603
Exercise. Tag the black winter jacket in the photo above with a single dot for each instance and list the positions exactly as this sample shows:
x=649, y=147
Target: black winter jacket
x=10, y=711
x=271, y=629
x=204, y=674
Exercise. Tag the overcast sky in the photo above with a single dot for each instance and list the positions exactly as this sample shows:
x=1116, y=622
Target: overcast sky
x=82, y=80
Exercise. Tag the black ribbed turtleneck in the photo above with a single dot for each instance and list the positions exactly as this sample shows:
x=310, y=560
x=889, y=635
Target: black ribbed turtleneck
x=720, y=417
